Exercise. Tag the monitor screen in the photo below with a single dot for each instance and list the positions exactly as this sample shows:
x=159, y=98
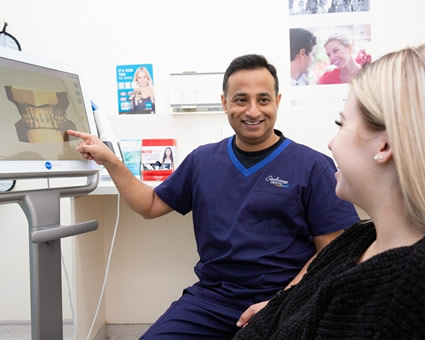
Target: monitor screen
x=39, y=101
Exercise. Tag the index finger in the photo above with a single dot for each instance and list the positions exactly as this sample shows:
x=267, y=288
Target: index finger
x=82, y=135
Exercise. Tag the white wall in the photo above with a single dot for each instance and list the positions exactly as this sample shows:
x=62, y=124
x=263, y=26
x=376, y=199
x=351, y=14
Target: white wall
x=174, y=36
x=185, y=35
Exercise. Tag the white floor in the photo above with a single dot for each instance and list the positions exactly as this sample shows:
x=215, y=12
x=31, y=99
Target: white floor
x=122, y=332
x=23, y=332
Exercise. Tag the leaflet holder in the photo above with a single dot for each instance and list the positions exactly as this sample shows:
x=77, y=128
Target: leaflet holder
x=42, y=210
x=196, y=92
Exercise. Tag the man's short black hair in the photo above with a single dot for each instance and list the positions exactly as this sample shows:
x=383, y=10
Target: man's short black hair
x=301, y=38
x=250, y=62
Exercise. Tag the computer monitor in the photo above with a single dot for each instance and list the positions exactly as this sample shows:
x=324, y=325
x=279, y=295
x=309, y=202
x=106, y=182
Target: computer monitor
x=40, y=100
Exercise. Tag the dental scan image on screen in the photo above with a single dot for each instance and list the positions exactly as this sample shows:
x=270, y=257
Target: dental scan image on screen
x=37, y=106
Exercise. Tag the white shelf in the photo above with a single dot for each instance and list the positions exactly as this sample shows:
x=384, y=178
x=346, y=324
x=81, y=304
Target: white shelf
x=107, y=187
x=197, y=113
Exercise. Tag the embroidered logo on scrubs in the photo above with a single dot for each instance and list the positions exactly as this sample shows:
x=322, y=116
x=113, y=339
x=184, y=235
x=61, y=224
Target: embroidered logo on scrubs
x=276, y=181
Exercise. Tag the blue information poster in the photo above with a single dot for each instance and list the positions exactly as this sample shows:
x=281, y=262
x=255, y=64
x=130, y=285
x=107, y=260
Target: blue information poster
x=135, y=89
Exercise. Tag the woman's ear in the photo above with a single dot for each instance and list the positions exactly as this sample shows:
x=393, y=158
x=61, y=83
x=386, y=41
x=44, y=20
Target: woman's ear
x=384, y=152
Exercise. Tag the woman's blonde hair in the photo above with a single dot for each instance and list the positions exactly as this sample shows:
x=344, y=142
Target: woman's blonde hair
x=391, y=97
x=342, y=38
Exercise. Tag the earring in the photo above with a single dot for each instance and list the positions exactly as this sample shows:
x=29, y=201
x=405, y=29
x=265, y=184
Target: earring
x=378, y=157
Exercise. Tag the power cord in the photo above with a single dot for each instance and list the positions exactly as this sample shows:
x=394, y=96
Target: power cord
x=107, y=266
x=69, y=297
x=104, y=280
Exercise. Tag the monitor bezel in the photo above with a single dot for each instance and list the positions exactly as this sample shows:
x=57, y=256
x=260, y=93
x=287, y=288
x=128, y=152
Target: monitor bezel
x=15, y=169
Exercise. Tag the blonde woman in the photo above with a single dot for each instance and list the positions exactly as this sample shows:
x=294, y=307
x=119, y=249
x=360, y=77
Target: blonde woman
x=339, y=50
x=143, y=97
x=370, y=281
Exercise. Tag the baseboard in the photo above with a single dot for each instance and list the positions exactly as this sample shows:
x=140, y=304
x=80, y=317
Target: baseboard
x=21, y=329
x=26, y=322
x=121, y=331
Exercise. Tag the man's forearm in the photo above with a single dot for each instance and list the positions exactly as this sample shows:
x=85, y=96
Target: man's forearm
x=300, y=274
x=136, y=194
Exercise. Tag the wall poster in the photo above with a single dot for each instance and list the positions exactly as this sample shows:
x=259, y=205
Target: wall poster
x=330, y=40
x=135, y=89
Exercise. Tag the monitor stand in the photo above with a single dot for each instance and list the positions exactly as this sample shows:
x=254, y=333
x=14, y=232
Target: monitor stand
x=42, y=209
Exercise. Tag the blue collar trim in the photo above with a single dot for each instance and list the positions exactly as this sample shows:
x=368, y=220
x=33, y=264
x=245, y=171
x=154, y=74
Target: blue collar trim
x=246, y=172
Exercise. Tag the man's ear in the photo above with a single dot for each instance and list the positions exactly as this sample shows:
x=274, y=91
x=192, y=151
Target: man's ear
x=224, y=103
x=278, y=98
x=302, y=52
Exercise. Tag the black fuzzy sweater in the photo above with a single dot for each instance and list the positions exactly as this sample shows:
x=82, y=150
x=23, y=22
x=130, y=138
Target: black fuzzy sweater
x=381, y=298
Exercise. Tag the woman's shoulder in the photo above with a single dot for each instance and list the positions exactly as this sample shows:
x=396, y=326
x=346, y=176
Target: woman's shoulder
x=330, y=77
x=360, y=234
x=362, y=231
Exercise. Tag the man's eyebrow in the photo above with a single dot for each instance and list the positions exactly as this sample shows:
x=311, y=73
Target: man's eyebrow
x=244, y=94
x=241, y=94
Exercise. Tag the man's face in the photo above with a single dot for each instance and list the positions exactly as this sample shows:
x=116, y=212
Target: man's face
x=312, y=4
x=251, y=105
x=307, y=59
x=359, y=5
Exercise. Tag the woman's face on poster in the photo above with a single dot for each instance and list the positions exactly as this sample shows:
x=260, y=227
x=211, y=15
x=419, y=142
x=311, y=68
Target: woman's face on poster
x=142, y=78
x=338, y=54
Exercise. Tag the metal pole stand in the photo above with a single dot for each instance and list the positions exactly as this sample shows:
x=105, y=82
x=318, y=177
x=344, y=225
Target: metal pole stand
x=42, y=209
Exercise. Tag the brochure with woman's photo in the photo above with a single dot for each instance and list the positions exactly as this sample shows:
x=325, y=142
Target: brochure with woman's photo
x=158, y=158
x=135, y=89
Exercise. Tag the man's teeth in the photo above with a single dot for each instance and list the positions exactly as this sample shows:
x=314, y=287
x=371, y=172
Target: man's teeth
x=252, y=123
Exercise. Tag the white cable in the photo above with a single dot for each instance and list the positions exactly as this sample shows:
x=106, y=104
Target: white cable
x=67, y=283
x=107, y=266
x=69, y=296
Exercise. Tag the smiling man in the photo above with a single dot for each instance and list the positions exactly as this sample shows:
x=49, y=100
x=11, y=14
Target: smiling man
x=262, y=206
x=302, y=44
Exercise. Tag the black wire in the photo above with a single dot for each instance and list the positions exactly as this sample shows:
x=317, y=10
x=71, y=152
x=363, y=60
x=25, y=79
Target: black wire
x=4, y=187
x=12, y=186
x=10, y=36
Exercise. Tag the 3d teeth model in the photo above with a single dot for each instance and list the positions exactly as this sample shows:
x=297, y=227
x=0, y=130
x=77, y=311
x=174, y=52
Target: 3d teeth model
x=43, y=114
